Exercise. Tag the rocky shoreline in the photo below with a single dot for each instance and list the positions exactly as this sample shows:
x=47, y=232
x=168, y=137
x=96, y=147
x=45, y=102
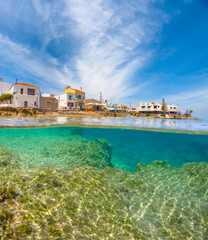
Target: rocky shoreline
x=32, y=112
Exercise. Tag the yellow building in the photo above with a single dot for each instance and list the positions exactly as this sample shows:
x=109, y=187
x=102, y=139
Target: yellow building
x=75, y=96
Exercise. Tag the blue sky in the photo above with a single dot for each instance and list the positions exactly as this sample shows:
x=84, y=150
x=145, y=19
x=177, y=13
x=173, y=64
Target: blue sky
x=132, y=51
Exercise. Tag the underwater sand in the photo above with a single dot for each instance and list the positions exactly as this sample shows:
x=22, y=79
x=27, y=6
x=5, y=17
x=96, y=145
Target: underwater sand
x=93, y=183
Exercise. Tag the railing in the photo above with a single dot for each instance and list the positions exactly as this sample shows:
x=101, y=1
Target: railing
x=25, y=93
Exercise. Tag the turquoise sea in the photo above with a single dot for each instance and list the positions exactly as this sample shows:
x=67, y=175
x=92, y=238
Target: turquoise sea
x=68, y=182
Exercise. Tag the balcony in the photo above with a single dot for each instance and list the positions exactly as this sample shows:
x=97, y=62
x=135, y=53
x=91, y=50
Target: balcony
x=25, y=93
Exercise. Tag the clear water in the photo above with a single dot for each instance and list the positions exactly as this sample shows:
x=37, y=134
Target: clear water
x=129, y=147
x=62, y=183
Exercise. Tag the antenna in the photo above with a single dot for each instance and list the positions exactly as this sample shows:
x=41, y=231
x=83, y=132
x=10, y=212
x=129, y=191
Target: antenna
x=101, y=97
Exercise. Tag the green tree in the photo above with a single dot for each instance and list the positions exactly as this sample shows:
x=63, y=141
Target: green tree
x=188, y=112
x=6, y=97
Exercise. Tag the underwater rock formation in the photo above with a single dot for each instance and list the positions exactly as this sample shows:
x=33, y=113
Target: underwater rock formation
x=62, y=204
x=101, y=202
x=74, y=152
x=8, y=158
x=82, y=152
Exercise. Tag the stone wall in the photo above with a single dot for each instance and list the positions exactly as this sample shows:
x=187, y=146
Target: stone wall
x=49, y=103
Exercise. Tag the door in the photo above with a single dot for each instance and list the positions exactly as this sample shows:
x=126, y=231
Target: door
x=48, y=105
x=25, y=103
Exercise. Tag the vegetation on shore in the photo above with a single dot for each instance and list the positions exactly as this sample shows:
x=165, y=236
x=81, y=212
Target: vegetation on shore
x=6, y=97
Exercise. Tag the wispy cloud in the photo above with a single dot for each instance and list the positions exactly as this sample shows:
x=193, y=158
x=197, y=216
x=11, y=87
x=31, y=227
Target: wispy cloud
x=196, y=100
x=113, y=39
x=42, y=68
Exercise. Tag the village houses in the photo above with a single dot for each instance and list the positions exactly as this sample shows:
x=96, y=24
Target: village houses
x=26, y=95
x=152, y=107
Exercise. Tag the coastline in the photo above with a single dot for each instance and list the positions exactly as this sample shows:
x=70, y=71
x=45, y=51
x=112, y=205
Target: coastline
x=26, y=112
x=107, y=127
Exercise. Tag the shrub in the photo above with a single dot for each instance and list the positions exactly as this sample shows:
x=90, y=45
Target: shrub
x=6, y=97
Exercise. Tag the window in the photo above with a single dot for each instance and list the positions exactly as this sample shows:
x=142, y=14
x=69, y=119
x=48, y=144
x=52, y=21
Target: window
x=35, y=104
x=143, y=106
x=30, y=91
x=170, y=107
x=149, y=106
x=174, y=108
x=21, y=91
x=79, y=97
x=25, y=104
x=70, y=97
x=155, y=106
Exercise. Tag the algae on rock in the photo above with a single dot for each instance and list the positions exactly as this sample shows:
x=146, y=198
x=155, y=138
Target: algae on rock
x=64, y=201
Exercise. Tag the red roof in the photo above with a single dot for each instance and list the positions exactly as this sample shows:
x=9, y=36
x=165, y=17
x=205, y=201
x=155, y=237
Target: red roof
x=25, y=84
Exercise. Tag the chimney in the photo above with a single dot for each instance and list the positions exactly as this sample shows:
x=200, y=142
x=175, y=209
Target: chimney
x=1, y=79
x=16, y=81
x=81, y=88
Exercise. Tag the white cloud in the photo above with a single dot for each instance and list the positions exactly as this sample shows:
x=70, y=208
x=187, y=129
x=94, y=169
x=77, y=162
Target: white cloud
x=33, y=63
x=197, y=100
x=110, y=43
x=113, y=41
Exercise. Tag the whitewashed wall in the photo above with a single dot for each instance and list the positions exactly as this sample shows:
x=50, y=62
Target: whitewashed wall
x=19, y=99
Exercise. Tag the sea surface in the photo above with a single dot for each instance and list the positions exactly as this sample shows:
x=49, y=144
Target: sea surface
x=131, y=122
x=78, y=182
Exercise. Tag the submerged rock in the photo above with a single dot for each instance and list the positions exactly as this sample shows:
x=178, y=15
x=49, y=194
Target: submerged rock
x=8, y=158
x=101, y=202
x=64, y=154
x=82, y=152
x=76, y=204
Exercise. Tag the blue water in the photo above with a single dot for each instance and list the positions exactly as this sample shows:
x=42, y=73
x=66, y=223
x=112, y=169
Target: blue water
x=129, y=147
x=63, y=183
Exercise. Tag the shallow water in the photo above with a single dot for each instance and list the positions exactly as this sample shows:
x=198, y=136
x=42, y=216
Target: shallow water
x=129, y=147
x=61, y=183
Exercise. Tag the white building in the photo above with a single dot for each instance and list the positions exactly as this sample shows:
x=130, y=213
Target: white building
x=66, y=101
x=71, y=99
x=152, y=107
x=110, y=106
x=4, y=87
x=25, y=95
